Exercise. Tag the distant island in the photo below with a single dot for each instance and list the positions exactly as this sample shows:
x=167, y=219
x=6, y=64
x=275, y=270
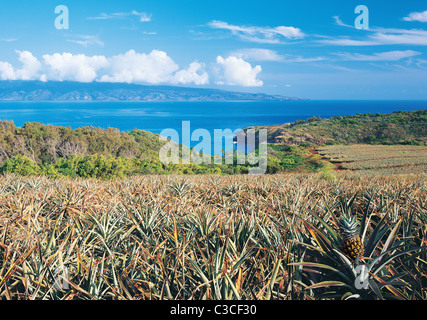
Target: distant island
x=67, y=91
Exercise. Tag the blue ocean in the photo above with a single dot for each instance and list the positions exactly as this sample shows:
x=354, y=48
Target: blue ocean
x=157, y=116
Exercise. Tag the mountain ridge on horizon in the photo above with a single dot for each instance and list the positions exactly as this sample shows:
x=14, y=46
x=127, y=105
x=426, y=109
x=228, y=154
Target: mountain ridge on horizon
x=69, y=91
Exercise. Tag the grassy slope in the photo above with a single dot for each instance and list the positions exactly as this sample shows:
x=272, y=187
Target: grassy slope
x=404, y=127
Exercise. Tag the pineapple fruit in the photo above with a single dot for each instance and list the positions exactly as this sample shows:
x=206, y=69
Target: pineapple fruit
x=352, y=245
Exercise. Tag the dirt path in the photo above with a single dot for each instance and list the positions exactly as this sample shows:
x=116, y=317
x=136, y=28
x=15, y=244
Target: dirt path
x=338, y=165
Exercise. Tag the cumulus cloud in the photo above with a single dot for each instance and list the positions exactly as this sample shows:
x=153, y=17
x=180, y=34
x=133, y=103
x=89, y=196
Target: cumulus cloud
x=194, y=74
x=30, y=66
x=238, y=72
x=6, y=71
x=259, y=34
x=417, y=16
x=155, y=67
x=66, y=66
x=29, y=70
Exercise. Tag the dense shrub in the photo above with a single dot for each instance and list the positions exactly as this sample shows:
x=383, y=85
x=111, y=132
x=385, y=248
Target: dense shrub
x=21, y=165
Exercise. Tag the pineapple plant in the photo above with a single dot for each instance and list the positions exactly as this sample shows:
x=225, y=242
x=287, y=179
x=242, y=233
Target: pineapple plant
x=351, y=244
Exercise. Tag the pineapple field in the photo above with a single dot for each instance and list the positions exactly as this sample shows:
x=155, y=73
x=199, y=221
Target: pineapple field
x=383, y=159
x=210, y=237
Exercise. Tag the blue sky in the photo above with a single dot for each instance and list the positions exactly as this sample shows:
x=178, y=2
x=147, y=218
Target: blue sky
x=294, y=48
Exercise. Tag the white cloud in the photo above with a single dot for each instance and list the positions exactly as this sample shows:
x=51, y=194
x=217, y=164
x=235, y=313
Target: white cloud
x=259, y=34
x=155, y=67
x=69, y=67
x=30, y=66
x=421, y=63
x=142, y=16
x=6, y=71
x=383, y=36
x=87, y=40
x=194, y=74
x=238, y=72
x=339, y=22
x=258, y=54
x=382, y=56
x=29, y=70
x=417, y=16
x=293, y=58
x=271, y=55
x=287, y=32
x=407, y=38
x=104, y=16
x=346, y=41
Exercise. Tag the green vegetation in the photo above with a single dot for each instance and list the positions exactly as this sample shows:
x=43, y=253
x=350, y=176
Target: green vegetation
x=44, y=144
x=400, y=127
x=88, y=152
x=37, y=149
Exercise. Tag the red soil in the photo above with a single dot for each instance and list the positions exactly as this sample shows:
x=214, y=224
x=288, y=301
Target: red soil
x=338, y=165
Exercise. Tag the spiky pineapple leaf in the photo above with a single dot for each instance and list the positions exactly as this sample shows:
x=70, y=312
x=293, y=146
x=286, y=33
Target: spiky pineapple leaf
x=392, y=257
x=376, y=237
x=391, y=236
x=318, y=236
x=333, y=233
x=312, y=264
x=325, y=284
